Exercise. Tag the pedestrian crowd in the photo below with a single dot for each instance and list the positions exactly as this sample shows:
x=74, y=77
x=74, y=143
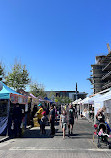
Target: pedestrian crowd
x=45, y=116
x=67, y=115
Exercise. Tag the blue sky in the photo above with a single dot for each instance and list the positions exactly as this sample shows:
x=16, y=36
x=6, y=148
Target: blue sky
x=56, y=39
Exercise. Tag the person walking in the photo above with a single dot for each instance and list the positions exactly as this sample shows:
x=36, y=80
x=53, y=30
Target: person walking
x=76, y=113
x=55, y=113
x=63, y=122
x=39, y=115
x=44, y=120
x=17, y=120
x=71, y=114
x=52, y=119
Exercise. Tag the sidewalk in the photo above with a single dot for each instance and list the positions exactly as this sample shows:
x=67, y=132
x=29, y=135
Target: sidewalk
x=82, y=129
x=34, y=132
x=3, y=138
x=79, y=145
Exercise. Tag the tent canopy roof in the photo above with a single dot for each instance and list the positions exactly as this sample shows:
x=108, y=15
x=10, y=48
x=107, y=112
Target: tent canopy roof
x=77, y=101
x=104, y=97
x=6, y=91
x=47, y=99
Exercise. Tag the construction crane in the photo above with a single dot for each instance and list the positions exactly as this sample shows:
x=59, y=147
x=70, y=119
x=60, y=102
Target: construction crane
x=109, y=50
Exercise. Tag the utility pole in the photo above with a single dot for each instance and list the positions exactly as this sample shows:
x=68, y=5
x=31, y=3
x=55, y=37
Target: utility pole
x=76, y=91
x=76, y=99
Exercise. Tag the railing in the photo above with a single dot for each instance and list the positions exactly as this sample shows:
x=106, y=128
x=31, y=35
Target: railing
x=107, y=75
x=106, y=85
x=106, y=66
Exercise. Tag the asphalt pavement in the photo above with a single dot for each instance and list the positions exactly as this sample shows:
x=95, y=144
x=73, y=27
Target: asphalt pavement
x=33, y=144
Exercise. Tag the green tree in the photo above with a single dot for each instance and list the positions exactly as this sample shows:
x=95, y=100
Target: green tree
x=60, y=99
x=67, y=100
x=63, y=99
x=19, y=77
x=52, y=95
x=37, y=89
x=2, y=73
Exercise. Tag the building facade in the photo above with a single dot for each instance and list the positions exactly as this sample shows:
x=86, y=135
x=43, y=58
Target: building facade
x=73, y=95
x=101, y=73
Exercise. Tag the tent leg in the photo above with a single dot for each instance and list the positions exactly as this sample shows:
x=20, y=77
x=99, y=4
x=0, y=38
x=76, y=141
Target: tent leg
x=8, y=111
x=93, y=137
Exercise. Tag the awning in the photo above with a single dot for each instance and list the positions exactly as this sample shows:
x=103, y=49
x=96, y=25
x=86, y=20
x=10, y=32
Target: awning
x=8, y=93
x=48, y=100
x=77, y=101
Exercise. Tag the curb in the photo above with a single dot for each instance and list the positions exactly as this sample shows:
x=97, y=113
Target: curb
x=4, y=139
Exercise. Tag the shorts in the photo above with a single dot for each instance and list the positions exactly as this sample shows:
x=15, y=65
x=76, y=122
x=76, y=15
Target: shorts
x=64, y=125
x=71, y=121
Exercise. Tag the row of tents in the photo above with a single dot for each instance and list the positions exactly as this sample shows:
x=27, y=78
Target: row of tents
x=96, y=102
x=8, y=99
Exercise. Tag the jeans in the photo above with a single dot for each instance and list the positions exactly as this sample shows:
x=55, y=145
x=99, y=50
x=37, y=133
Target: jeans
x=52, y=127
x=17, y=129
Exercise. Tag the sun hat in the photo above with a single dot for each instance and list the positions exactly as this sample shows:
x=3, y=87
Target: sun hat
x=40, y=104
x=44, y=113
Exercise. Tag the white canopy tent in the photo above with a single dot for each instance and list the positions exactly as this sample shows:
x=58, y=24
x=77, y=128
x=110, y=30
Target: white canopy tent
x=99, y=100
x=102, y=100
x=77, y=101
x=85, y=101
x=107, y=96
x=83, y=106
x=90, y=100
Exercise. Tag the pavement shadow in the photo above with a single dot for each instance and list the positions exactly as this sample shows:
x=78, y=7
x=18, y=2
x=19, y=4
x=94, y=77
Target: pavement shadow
x=35, y=133
x=82, y=136
x=76, y=136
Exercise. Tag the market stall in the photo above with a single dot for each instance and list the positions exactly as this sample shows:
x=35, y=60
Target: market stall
x=31, y=108
x=87, y=108
x=77, y=105
x=8, y=99
x=34, y=101
x=48, y=101
x=104, y=102
x=84, y=107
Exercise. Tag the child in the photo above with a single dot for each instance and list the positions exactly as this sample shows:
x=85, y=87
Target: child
x=63, y=122
x=101, y=133
x=44, y=120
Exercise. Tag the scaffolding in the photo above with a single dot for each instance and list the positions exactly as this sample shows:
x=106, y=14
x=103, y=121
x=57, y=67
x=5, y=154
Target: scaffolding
x=101, y=72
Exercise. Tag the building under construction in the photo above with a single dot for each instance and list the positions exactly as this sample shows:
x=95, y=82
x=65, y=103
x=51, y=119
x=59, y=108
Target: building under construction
x=101, y=72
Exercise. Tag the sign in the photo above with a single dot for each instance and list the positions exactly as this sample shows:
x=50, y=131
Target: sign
x=56, y=100
x=21, y=99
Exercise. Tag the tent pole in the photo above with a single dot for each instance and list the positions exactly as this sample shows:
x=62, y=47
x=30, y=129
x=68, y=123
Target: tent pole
x=8, y=111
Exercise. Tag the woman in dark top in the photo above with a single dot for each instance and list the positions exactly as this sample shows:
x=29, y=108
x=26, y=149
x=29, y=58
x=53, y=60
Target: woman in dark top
x=52, y=120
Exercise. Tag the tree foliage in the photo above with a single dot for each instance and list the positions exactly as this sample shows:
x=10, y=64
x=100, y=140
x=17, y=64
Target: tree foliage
x=63, y=99
x=37, y=89
x=52, y=95
x=19, y=77
x=2, y=73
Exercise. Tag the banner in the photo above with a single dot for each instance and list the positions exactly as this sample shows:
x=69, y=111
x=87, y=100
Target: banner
x=3, y=123
x=21, y=99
